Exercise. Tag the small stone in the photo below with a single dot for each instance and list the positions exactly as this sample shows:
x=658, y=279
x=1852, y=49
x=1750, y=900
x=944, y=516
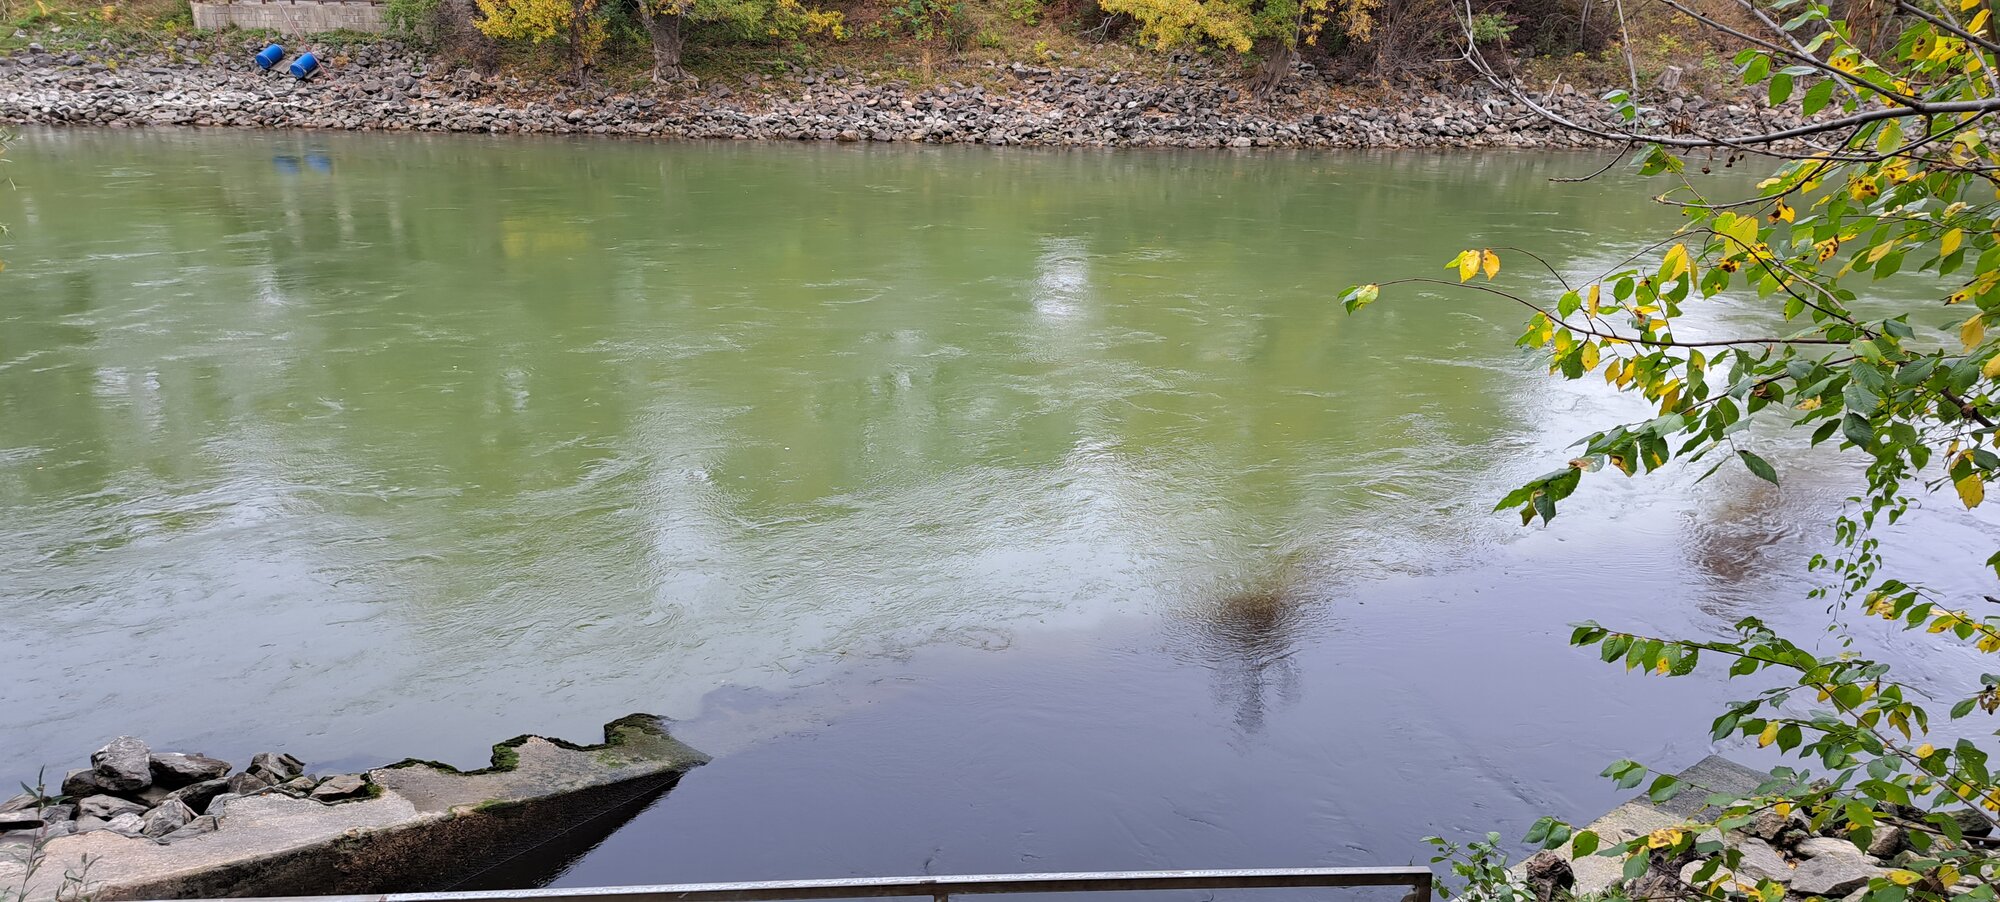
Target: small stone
x=348, y=786
x=54, y=813
x=276, y=767
x=175, y=770
x=167, y=818
x=1834, y=875
x=21, y=802
x=108, y=807
x=123, y=765
x=199, y=795
x=206, y=823
x=127, y=825
x=87, y=824
x=1818, y=846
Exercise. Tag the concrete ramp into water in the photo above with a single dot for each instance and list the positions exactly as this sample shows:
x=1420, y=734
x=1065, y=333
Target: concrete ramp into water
x=426, y=826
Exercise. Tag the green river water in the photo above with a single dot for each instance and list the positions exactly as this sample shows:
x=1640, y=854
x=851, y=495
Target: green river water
x=980, y=509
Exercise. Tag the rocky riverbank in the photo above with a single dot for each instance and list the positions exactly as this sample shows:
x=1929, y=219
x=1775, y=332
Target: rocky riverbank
x=132, y=791
x=381, y=86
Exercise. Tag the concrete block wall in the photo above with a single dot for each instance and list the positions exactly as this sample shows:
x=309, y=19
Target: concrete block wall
x=290, y=16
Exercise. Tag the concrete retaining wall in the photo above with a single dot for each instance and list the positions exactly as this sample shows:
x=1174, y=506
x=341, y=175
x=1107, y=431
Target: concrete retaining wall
x=289, y=17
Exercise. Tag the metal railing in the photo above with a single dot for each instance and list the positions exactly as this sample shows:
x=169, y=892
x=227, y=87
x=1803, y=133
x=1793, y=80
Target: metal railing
x=939, y=889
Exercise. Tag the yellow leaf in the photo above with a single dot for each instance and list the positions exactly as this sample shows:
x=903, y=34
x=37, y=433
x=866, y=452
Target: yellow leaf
x=1926, y=750
x=1992, y=368
x=1784, y=212
x=1973, y=332
x=1782, y=809
x=1971, y=489
x=1589, y=356
x=1967, y=4
x=1769, y=735
x=1663, y=837
x=1467, y=263
x=1591, y=305
x=1950, y=241
x=1489, y=263
x=1978, y=23
x=1675, y=263
x=1902, y=877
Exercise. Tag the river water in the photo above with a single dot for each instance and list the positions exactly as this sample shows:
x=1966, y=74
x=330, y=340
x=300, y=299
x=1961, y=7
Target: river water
x=979, y=510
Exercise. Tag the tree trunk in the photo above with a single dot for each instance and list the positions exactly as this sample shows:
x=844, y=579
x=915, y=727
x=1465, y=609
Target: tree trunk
x=1272, y=72
x=668, y=38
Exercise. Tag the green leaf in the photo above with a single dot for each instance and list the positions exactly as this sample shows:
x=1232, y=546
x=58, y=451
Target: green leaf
x=1584, y=844
x=1781, y=88
x=1360, y=296
x=1817, y=97
x=1759, y=466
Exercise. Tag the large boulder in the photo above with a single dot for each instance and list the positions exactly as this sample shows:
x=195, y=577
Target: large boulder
x=107, y=807
x=348, y=786
x=175, y=770
x=123, y=765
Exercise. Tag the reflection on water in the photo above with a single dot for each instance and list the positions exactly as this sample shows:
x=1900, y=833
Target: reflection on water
x=981, y=509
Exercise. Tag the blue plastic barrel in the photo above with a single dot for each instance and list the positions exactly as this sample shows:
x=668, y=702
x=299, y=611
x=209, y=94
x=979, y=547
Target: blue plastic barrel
x=270, y=56
x=305, y=66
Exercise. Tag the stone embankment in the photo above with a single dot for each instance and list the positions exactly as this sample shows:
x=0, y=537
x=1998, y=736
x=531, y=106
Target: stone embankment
x=383, y=87
x=142, y=825
x=1784, y=848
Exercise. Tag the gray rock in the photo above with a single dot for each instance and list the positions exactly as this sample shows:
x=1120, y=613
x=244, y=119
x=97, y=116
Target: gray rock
x=1819, y=846
x=21, y=802
x=20, y=820
x=1767, y=825
x=1834, y=875
x=276, y=767
x=123, y=765
x=1887, y=840
x=206, y=823
x=81, y=783
x=87, y=824
x=248, y=782
x=108, y=807
x=127, y=825
x=1549, y=875
x=1761, y=861
x=198, y=795
x=175, y=770
x=217, y=804
x=297, y=788
x=54, y=813
x=167, y=818
x=348, y=786
x=1971, y=822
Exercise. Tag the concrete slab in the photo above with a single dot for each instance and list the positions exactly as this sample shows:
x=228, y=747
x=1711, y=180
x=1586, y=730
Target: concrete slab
x=427, y=826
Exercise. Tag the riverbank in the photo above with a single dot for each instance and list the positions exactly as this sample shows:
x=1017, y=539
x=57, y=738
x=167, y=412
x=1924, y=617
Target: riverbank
x=385, y=87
